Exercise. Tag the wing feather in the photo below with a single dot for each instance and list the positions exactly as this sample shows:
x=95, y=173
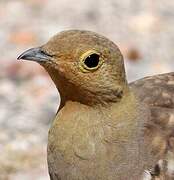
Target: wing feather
x=157, y=92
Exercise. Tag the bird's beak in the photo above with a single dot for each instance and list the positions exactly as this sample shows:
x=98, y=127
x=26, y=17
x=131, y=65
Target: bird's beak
x=35, y=54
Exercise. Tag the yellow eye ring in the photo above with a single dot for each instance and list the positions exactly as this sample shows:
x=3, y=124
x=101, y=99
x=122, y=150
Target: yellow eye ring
x=90, y=61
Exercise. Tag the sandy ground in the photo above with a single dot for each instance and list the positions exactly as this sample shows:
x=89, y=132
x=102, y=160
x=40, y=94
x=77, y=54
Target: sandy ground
x=144, y=31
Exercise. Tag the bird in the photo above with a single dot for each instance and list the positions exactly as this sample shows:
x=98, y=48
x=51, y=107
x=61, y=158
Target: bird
x=105, y=128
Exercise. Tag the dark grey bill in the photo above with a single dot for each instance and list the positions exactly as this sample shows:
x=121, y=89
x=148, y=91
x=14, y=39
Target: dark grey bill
x=35, y=54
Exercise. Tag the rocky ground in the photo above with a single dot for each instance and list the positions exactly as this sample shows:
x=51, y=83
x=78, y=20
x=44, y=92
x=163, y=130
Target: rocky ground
x=143, y=30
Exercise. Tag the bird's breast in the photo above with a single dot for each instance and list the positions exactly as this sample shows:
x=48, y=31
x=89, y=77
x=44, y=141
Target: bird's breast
x=81, y=137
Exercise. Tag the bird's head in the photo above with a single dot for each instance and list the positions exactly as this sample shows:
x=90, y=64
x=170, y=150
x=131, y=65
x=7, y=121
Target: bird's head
x=85, y=66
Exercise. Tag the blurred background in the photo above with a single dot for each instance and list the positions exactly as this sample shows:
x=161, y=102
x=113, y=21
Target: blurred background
x=143, y=29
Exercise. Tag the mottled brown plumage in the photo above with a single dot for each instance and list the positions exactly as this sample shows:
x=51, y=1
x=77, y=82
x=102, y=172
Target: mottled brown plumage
x=105, y=129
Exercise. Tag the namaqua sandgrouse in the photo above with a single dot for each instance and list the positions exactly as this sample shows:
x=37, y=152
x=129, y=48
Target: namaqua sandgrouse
x=105, y=128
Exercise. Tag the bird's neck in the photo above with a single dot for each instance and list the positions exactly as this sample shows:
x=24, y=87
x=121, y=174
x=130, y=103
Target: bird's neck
x=119, y=118
x=123, y=110
x=113, y=97
x=90, y=99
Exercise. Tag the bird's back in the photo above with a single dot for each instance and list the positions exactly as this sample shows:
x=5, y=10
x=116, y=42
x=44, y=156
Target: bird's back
x=157, y=93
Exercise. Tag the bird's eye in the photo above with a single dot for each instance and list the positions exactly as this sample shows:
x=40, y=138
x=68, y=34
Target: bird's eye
x=90, y=61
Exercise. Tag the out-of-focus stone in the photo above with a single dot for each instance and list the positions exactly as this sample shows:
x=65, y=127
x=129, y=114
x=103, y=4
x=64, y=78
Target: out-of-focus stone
x=132, y=53
x=22, y=37
x=145, y=23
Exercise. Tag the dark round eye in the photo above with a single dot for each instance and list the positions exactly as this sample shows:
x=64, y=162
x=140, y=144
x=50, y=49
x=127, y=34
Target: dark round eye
x=92, y=60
